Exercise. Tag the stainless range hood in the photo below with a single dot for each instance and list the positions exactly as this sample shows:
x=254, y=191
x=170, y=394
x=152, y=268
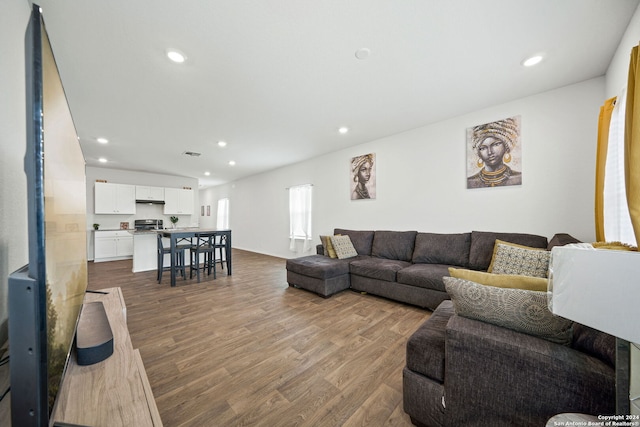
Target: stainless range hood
x=151, y=202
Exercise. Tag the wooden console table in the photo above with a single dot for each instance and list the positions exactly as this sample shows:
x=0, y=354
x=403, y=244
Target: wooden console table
x=114, y=392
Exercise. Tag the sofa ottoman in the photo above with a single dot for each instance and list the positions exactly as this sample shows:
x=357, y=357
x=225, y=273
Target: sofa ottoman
x=318, y=273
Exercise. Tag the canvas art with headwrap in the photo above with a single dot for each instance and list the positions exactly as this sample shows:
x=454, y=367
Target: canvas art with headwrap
x=363, y=177
x=494, y=155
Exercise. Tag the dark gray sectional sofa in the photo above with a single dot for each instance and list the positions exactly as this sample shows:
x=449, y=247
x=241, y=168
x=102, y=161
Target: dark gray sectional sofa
x=405, y=266
x=460, y=371
x=464, y=372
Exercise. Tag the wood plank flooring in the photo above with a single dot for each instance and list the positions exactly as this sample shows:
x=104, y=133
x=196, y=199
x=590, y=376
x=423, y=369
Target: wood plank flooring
x=247, y=350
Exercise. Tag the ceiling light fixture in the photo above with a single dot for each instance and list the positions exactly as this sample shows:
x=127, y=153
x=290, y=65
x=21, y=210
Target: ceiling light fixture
x=222, y=144
x=102, y=160
x=102, y=140
x=232, y=163
x=207, y=173
x=176, y=56
x=343, y=130
x=363, y=53
x=533, y=60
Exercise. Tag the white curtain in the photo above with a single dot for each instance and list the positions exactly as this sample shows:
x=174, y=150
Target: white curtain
x=222, y=220
x=300, y=216
x=617, y=222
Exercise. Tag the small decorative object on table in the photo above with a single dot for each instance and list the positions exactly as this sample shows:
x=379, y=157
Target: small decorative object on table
x=124, y=226
x=174, y=220
x=96, y=226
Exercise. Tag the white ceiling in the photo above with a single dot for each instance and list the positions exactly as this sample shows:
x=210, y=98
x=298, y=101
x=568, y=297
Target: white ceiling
x=275, y=79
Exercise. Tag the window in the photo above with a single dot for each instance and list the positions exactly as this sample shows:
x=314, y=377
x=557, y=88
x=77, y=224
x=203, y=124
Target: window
x=617, y=221
x=300, y=215
x=222, y=221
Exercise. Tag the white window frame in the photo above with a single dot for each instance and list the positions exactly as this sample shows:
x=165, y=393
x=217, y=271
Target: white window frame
x=222, y=219
x=300, y=209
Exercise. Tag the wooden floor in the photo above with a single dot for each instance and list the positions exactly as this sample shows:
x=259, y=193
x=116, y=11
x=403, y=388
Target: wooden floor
x=247, y=350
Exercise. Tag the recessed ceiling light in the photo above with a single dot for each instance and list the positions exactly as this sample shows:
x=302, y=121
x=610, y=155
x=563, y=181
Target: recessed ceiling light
x=207, y=173
x=176, y=56
x=102, y=160
x=533, y=60
x=363, y=53
x=222, y=144
x=102, y=140
x=232, y=163
x=343, y=130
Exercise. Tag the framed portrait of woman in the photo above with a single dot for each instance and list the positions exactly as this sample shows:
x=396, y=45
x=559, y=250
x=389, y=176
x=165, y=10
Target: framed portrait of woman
x=363, y=177
x=494, y=155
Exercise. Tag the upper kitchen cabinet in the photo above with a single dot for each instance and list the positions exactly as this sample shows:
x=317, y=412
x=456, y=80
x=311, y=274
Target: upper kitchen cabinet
x=178, y=201
x=152, y=194
x=115, y=198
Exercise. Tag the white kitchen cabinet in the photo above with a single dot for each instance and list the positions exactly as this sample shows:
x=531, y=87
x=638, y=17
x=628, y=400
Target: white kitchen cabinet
x=114, y=198
x=110, y=245
x=178, y=201
x=149, y=193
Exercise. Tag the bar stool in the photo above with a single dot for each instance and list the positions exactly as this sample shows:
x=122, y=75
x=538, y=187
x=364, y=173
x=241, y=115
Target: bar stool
x=204, y=244
x=220, y=243
x=162, y=251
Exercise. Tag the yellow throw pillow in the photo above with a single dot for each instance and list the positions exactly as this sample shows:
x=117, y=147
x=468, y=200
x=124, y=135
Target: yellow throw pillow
x=328, y=246
x=500, y=280
x=618, y=246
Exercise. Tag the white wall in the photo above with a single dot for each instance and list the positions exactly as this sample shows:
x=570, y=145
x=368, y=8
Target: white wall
x=421, y=179
x=13, y=197
x=618, y=71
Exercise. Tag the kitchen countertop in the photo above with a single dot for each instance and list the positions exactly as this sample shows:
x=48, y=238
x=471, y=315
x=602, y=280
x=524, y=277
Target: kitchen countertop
x=130, y=231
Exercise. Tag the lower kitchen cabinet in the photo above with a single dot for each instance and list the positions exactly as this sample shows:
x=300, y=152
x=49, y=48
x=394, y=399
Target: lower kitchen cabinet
x=112, y=245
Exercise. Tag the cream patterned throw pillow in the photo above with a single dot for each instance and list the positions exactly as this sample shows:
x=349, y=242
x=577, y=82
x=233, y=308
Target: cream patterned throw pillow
x=509, y=258
x=518, y=309
x=343, y=247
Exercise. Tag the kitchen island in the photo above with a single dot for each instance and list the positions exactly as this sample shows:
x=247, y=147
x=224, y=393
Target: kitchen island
x=145, y=250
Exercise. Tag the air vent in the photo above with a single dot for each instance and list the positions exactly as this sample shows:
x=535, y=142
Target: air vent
x=191, y=153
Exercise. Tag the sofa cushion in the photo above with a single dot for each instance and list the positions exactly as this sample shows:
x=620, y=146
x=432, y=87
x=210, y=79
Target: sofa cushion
x=509, y=258
x=561, y=239
x=595, y=343
x=318, y=266
x=361, y=240
x=451, y=249
x=343, y=247
x=427, y=276
x=501, y=280
x=518, y=309
x=394, y=244
x=425, y=347
x=378, y=268
x=483, y=242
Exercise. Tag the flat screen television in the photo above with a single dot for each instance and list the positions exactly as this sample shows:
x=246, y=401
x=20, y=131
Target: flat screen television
x=45, y=296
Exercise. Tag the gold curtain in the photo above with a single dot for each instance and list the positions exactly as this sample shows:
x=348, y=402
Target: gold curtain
x=632, y=143
x=601, y=159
